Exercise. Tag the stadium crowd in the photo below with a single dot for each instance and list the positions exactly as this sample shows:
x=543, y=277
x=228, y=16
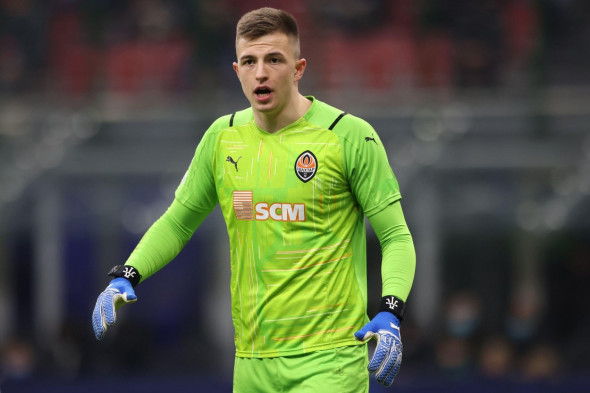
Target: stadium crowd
x=81, y=48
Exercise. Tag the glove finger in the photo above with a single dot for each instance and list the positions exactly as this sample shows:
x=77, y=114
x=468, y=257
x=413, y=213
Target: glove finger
x=120, y=299
x=125, y=290
x=98, y=323
x=364, y=334
x=131, y=297
x=382, y=350
x=385, y=369
x=360, y=335
x=108, y=307
x=396, y=366
x=390, y=365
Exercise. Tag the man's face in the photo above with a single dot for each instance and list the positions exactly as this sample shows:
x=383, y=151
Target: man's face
x=269, y=70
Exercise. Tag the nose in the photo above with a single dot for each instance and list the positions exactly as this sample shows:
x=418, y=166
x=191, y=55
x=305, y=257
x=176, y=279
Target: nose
x=261, y=72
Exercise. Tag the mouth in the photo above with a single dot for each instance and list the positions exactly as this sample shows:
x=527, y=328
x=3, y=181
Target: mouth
x=262, y=92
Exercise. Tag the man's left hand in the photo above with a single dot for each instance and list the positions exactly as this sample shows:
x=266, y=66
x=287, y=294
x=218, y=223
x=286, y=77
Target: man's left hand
x=387, y=358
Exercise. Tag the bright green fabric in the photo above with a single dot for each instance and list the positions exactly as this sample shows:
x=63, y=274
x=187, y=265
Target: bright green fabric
x=397, y=247
x=298, y=280
x=342, y=370
x=297, y=285
x=165, y=238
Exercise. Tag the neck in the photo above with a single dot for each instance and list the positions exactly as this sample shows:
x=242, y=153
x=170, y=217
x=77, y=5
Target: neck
x=272, y=122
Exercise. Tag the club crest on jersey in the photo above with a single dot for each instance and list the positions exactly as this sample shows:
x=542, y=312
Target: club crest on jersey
x=306, y=166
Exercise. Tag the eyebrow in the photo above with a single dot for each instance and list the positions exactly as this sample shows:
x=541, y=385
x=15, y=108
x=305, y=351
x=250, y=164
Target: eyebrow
x=271, y=54
x=275, y=54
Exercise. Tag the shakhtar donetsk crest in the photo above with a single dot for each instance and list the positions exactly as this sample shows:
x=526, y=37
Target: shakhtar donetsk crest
x=306, y=166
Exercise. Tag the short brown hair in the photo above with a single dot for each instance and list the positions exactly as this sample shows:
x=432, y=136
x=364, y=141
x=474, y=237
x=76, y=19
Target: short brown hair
x=267, y=20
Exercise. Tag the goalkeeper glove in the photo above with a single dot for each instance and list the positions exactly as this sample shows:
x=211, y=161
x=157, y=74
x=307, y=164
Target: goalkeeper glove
x=387, y=358
x=118, y=293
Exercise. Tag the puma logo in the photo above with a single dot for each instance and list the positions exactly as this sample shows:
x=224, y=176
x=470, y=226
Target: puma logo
x=368, y=138
x=229, y=159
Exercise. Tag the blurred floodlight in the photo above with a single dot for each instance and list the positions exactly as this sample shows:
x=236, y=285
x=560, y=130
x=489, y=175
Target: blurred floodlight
x=528, y=215
x=428, y=125
x=563, y=182
x=555, y=214
x=58, y=130
x=14, y=119
x=456, y=119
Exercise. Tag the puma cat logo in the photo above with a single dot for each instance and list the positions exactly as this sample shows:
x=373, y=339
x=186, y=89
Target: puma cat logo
x=229, y=159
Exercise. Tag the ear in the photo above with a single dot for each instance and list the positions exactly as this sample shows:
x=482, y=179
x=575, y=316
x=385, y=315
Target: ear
x=236, y=69
x=300, y=69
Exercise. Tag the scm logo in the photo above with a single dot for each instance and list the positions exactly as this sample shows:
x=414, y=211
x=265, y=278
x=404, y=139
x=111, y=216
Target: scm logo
x=280, y=211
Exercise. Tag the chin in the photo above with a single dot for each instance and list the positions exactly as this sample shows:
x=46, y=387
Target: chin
x=264, y=108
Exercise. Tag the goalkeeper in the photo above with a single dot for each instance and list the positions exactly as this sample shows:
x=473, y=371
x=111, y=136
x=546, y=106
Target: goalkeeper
x=294, y=178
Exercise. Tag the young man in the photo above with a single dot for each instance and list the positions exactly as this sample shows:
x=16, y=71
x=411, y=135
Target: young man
x=294, y=178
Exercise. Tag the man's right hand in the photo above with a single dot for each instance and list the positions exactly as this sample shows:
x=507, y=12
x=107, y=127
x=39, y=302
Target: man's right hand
x=119, y=292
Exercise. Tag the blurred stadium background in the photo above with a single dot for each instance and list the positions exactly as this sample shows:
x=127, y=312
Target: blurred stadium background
x=484, y=108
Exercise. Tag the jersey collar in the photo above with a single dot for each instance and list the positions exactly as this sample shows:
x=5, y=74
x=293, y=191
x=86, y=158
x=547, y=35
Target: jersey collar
x=305, y=117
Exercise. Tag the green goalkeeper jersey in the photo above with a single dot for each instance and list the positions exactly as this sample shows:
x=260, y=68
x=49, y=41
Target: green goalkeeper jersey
x=294, y=203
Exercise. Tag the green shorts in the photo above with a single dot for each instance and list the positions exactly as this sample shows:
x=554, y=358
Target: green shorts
x=341, y=369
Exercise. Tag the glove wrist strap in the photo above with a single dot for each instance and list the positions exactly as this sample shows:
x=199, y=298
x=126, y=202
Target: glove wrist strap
x=393, y=305
x=126, y=271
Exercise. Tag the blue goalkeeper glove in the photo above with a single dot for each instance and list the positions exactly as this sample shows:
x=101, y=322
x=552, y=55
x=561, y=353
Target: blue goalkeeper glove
x=387, y=358
x=118, y=293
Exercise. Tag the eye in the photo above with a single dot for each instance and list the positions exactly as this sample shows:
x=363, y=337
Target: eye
x=248, y=62
x=275, y=60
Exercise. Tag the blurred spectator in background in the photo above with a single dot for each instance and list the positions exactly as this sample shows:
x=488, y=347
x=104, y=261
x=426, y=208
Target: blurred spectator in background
x=454, y=357
x=155, y=57
x=541, y=363
x=351, y=16
x=463, y=314
x=567, y=320
x=157, y=46
x=17, y=360
x=455, y=349
x=496, y=358
x=524, y=314
x=475, y=31
x=377, y=32
x=520, y=31
x=210, y=25
x=22, y=45
x=73, y=62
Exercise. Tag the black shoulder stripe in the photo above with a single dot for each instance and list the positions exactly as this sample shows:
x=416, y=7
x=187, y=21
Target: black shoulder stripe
x=337, y=120
x=231, y=119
